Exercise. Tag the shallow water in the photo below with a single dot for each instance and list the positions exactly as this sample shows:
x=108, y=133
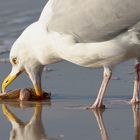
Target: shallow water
x=62, y=119
x=65, y=116
x=72, y=87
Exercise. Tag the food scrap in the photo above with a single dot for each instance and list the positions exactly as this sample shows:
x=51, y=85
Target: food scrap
x=25, y=94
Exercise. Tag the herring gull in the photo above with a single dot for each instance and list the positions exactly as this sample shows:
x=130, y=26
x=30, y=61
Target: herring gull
x=90, y=33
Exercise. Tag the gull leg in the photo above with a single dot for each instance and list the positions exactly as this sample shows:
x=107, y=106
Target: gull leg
x=135, y=98
x=99, y=100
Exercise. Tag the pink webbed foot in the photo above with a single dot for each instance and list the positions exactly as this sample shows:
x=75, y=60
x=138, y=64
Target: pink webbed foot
x=96, y=106
x=134, y=101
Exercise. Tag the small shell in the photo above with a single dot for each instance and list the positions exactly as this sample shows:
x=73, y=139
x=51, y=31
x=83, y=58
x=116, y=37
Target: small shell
x=25, y=95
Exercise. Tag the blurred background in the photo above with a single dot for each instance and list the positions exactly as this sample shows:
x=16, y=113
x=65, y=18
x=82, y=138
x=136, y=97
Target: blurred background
x=15, y=16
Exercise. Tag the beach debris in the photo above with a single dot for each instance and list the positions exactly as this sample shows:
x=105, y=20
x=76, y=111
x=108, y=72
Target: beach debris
x=25, y=94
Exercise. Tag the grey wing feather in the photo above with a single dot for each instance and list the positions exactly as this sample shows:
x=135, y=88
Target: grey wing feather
x=94, y=20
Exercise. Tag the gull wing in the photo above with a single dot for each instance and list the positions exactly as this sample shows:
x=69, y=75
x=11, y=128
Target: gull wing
x=93, y=20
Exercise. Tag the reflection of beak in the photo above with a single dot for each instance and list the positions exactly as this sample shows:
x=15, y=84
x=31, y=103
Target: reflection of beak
x=13, y=118
x=8, y=80
x=10, y=116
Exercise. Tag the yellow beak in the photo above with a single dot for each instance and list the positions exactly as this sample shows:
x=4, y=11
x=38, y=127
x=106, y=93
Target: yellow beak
x=8, y=80
x=14, y=74
x=38, y=90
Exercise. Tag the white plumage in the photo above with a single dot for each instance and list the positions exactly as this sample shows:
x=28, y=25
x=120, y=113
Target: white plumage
x=100, y=35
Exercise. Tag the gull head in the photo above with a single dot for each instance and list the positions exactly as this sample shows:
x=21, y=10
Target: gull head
x=24, y=58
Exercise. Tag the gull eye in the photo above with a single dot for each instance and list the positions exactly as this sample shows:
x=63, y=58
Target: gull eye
x=14, y=60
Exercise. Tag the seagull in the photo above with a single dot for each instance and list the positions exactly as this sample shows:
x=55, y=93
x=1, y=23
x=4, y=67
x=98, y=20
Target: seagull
x=90, y=33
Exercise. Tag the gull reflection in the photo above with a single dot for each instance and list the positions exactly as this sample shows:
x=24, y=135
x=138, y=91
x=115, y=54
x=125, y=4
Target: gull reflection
x=99, y=118
x=135, y=109
x=103, y=131
x=31, y=130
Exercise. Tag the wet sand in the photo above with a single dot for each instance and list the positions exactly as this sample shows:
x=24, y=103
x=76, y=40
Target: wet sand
x=63, y=117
